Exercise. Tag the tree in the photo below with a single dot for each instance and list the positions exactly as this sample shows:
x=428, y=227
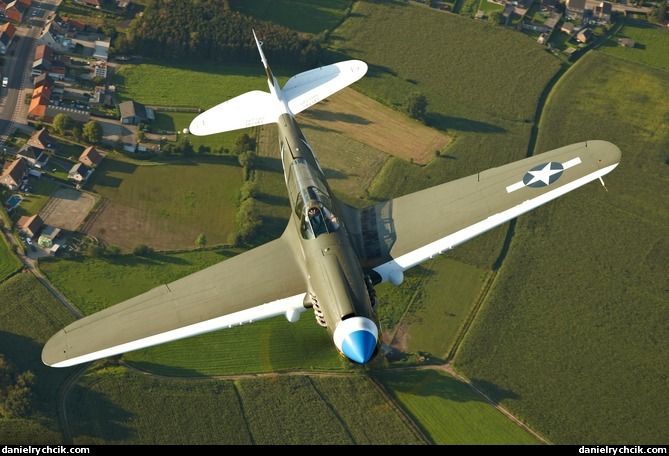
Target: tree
x=142, y=250
x=15, y=390
x=244, y=143
x=77, y=132
x=185, y=147
x=247, y=159
x=201, y=241
x=61, y=123
x=92, y=132
x=141, y=136
x=416, y=105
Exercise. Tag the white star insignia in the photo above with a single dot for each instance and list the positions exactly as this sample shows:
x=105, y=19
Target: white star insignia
x=543, y=175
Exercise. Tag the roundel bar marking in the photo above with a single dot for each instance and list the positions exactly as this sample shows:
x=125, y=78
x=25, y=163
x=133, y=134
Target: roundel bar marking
x=543, y=175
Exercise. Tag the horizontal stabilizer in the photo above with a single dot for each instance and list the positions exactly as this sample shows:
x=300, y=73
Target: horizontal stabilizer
x=308, y=88
x=248, y=110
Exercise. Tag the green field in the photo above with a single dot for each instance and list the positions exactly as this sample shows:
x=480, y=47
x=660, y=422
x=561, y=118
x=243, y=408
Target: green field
x=450, y=412
x=651, y=44
x=201, y=85
x=29, y=315
x=299, y=15
x=119, y=406
x=207, y=199
x=9, y=263
x=571, y=338
x=576, y=321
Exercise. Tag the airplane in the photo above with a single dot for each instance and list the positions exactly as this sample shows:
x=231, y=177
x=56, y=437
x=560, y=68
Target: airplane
x=331, y=255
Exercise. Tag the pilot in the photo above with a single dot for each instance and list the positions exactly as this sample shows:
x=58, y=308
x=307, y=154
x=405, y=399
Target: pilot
x=316, y=221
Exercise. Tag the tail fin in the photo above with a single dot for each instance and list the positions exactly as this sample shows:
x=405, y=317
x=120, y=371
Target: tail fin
x=271, y=80
x=258, y=108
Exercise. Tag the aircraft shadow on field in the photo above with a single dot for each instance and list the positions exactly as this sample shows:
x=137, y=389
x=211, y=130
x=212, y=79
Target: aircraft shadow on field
x=433, y=382
x=150, y=259
x=323, y=115
x=159, y=369
x=94, y=407
x=273, y=200
x=462, y=124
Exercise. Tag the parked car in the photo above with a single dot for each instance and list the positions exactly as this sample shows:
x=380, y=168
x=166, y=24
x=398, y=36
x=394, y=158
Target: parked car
x=32, y=247
x=29, y=241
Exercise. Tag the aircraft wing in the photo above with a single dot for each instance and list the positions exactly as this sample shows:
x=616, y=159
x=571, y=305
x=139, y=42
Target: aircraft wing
x=394, y=236
x=260, y=283
x=308, y=88
x=247, y=110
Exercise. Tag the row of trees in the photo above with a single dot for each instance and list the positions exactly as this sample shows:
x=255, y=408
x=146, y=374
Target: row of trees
x=209, y=30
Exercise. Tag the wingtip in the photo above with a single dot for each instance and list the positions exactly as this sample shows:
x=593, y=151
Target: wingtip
x=55, y=350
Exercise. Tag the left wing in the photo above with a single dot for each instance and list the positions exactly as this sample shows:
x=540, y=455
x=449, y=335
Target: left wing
x=394, y=236
x=261, y=283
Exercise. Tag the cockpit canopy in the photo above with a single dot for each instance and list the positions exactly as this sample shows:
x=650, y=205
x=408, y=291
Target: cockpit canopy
x=312, y=202
x=318, y=220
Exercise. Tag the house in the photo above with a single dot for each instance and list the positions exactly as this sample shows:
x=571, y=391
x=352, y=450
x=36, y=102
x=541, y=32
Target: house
x=584, y=35
x=43, y=58
x=603, y=11
x=74, y=26
x=90, y=157
x=626, y=42
x=101, y=52
x=79, y=173
x=42, y=80
x=33, y=155
x=13, y=173
x=100, y=70
x=47, y=236
x=30, y=225
x=15, y=11
x=7, y=32
x=39, y=102
x=52, y=36
x=28, y=3
x=133, y=113
x=58, y=73
x=567, y=28
x=575, y=8
x=42, y=140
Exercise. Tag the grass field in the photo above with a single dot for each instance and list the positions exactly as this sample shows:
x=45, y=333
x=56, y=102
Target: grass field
x=450, y=412
x=359, y=118
x=650, y=48
x=299, y=15
x=111, y=406
x=485, y=74
x=9, y=263
x=439, y=307
x=571, y=339
x=29, y=315
x=577, y=334
x=147, y=208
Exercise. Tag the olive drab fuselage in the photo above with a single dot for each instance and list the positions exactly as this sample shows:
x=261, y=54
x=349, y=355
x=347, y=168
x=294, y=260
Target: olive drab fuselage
x=335, y=277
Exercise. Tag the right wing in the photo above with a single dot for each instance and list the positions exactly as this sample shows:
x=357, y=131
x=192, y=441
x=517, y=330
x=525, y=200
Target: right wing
x=260, y=283
x=396, y=235
x=308, y=88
